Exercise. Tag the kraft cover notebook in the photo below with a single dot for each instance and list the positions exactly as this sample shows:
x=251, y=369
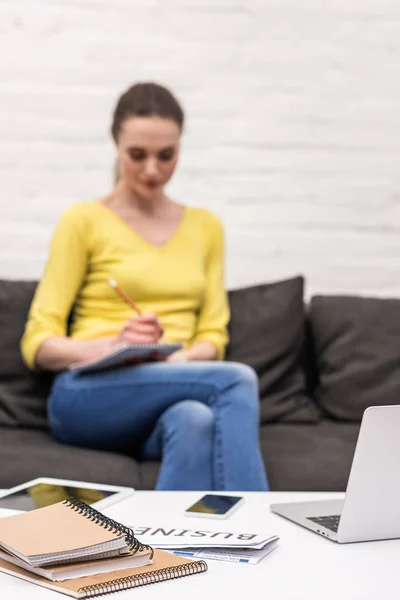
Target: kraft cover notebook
x=165, y=566
x=83, y=568
x=67, y=532
x=125, y=354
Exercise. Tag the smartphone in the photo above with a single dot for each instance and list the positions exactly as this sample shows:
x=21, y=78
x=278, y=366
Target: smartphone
x=214, y=506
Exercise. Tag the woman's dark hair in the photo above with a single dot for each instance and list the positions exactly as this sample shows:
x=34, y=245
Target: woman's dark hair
x=146, y=100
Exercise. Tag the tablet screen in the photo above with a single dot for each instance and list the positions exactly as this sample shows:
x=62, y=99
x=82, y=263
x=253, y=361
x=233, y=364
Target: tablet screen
x=44, y=494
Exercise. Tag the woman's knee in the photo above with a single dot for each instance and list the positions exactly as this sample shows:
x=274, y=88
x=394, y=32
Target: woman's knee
x=190, y=416
x=242, y=373
x=242, y=380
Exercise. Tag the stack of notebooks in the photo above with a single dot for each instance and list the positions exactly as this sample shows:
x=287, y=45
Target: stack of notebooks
x=74, y=549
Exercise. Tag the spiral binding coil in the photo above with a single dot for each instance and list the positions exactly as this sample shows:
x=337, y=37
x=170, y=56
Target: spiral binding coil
x=109, y=524
x=126, y=583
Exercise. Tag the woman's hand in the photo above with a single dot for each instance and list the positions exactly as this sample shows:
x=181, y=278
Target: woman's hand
x=143, y=329
x=199, y=351
x=177, y=357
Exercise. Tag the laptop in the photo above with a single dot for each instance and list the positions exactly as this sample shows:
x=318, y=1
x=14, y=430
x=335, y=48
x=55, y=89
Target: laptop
x=371, y=507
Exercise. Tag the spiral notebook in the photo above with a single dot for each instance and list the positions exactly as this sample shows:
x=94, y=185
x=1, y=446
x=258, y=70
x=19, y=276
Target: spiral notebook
x=83, y=568
x=70, y=531
x=66, y=532
x=125, y=354
x=165, y=566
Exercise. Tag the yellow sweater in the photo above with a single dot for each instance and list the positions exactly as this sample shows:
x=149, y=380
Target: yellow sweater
x=182, y=281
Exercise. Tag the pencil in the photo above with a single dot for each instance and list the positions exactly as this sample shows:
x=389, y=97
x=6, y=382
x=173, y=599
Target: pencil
x=124, y=295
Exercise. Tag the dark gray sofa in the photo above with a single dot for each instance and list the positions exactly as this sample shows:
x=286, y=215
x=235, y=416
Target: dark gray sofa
x=319, y=367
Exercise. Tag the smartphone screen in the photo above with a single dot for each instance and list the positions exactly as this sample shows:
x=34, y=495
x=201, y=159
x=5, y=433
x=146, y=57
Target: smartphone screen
x=213, y=504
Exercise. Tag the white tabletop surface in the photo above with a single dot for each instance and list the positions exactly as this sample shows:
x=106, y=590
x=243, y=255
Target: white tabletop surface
x=304, y=565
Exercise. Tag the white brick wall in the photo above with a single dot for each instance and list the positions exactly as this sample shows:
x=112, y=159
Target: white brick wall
x=293, y=133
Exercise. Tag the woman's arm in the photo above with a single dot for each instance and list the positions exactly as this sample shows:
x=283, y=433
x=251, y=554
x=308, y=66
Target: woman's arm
x=58, y=353
x=199, y=351
x=211, y=335
x=44, y=344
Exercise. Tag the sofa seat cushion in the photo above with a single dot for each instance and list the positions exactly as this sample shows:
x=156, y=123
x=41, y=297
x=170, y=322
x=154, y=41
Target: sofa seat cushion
x=357, y=348
x=268, y=332
x=26, y=454
x=148, y=474
x=309, y=457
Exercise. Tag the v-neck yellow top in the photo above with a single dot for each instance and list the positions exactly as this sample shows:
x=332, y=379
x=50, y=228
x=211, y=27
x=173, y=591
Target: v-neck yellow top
x=182, y=281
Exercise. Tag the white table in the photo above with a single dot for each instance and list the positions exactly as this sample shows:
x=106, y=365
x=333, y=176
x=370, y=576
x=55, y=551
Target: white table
x=305, y=565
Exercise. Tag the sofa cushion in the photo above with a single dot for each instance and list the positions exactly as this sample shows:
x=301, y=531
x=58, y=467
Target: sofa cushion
x=22, y=393
x=27, y=453
x=357, y=345
x=309, y=458
x=267, y=332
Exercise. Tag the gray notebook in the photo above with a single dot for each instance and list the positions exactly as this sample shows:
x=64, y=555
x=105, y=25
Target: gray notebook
x=125, y=354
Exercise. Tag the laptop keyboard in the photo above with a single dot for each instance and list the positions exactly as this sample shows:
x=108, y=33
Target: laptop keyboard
x=330, y=522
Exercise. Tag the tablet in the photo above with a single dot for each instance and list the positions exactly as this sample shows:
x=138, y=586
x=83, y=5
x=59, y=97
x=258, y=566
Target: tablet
x=46, y=490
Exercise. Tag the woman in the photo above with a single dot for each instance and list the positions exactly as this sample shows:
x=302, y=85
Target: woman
x=197, y=414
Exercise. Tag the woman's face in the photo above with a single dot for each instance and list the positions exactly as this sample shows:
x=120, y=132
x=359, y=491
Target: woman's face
x=148, y=149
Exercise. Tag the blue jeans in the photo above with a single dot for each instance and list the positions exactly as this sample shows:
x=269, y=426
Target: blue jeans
x=200, y=418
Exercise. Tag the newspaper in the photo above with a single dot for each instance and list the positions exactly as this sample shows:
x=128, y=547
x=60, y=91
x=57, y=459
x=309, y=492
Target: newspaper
x=241, y=555
x=215, y=543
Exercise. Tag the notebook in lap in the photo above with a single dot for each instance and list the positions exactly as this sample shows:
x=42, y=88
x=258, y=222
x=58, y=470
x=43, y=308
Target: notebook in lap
x=371, y=507
x=125, y=354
